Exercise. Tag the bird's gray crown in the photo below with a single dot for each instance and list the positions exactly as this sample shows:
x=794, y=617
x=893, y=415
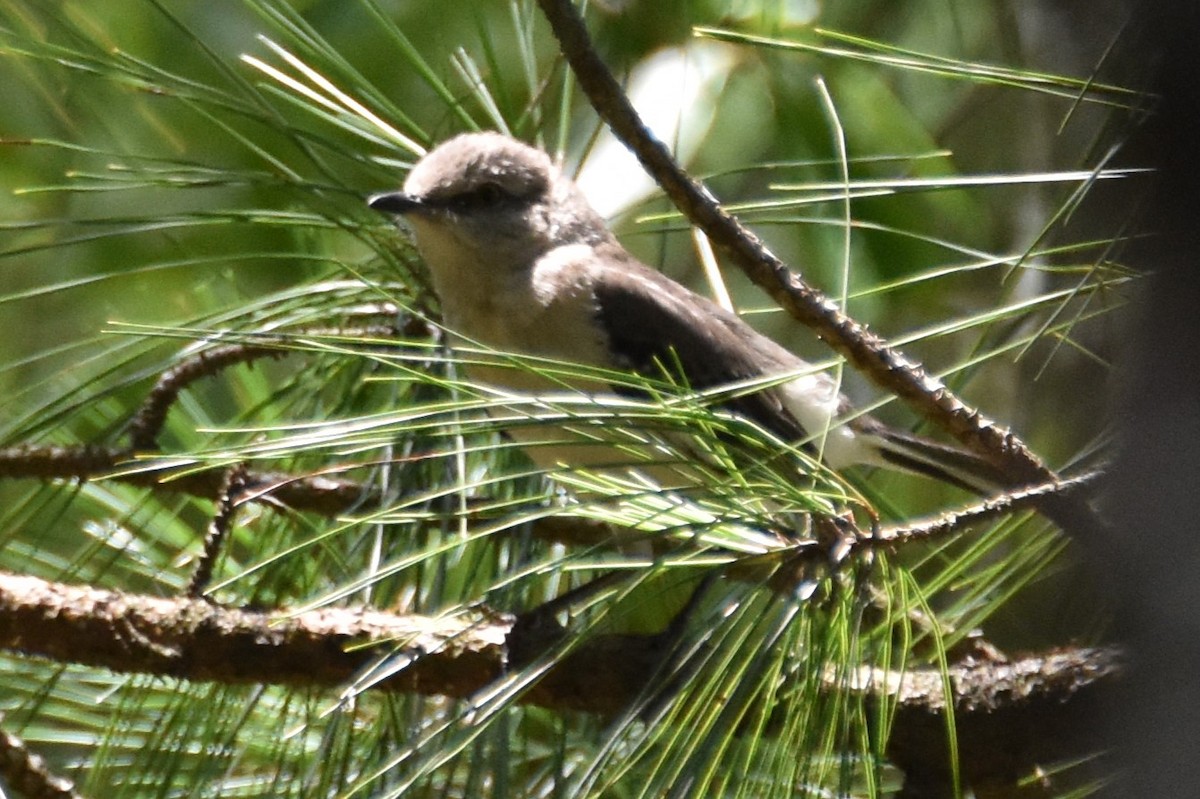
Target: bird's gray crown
x=493, y=193
x=475, y=163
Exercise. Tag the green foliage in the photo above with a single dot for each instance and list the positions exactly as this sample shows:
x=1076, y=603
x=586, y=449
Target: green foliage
x=191, y=174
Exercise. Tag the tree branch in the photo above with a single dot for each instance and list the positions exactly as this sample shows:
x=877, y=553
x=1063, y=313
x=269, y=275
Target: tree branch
x=194, y=640
x=27, y=774
x=1011, y=719
x=147, y=423
x=883, y=364
x=323, y=493
x=1002, y=709
x=328, y=495
x=1005, y=504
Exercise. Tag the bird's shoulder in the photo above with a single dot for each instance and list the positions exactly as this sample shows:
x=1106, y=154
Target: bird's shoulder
x=567, y=273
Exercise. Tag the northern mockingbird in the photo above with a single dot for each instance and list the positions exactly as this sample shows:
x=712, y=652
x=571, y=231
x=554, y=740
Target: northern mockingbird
x=522, y=264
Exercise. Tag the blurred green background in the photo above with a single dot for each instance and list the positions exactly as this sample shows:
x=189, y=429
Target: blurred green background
x=765, y=109
x=154, y=177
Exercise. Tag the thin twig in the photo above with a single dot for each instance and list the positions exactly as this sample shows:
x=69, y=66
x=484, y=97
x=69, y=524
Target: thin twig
x=323, y=492
x=147, y=423
x=327, y=494
x=1004, y=504
x=232, y=488
x=27, y=774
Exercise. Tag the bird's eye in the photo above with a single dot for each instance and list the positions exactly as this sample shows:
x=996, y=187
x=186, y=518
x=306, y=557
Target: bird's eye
x=482, y=196
x=490, y=193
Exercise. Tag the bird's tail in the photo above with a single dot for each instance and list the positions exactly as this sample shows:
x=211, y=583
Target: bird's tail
x=944, y=462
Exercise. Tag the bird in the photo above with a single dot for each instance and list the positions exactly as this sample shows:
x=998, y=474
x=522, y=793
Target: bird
x=522, y=264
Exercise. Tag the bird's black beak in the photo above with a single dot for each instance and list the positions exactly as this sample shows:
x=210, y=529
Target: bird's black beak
x=395, y=202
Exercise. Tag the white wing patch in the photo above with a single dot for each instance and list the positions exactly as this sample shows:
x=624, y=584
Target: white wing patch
x=814, y=401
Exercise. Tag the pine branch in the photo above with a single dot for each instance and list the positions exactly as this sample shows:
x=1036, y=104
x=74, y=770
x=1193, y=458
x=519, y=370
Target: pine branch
x=193, y=639
x=147, y=423
x=28, y=775
x=1002, y=709
x=879, y=361
x=316, y=493
x=1004, y=504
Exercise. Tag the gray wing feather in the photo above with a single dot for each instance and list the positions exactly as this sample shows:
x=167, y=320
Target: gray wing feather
x=655, y=324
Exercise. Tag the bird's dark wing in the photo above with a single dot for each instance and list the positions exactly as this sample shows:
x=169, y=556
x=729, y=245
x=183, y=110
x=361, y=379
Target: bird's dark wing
x=653, y=323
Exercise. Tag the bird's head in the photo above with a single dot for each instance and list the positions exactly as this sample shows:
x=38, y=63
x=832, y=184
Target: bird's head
x=491, y=201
